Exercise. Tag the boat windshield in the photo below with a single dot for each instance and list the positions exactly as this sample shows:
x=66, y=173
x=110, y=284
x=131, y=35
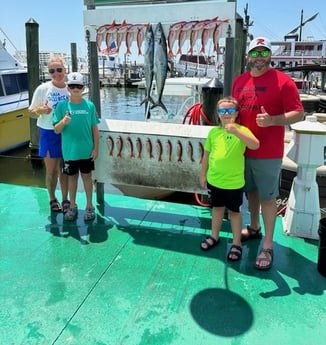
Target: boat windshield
x=13, y=83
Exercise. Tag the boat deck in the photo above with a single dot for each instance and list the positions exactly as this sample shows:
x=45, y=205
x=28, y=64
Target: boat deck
x=136, y=275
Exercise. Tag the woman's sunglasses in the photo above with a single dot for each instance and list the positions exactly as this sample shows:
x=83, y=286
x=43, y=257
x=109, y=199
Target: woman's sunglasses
x=58, y=69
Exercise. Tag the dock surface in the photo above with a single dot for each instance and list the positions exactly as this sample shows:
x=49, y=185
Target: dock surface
x=136, y=276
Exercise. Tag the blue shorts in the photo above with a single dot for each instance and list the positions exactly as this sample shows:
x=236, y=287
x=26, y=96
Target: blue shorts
x=230, y=198
x=263, y=176
x=85, y=166
x=50, y=142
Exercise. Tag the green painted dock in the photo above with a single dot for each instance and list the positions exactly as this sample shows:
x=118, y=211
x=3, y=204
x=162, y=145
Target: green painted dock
x=137, y=276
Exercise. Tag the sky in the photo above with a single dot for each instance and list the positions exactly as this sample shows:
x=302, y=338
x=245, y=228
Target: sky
x=61, y=21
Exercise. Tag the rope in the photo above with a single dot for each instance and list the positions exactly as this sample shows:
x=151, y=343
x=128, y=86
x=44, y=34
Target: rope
x=194, y=115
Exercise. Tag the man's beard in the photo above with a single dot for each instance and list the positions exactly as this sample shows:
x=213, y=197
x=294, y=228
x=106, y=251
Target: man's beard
x=259, y=66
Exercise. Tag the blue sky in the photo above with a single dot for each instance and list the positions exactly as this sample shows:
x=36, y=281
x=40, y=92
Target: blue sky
x=61, y=21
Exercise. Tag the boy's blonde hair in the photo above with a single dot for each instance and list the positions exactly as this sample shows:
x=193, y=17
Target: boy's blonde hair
x=229, y=99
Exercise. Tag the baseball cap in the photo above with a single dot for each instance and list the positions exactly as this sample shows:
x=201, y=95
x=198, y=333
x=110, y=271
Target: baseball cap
x=75, y=78
x=260, y=42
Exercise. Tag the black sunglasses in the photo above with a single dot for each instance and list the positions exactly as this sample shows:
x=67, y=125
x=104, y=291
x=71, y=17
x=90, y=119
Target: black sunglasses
x=58, y=69
x=75, y=86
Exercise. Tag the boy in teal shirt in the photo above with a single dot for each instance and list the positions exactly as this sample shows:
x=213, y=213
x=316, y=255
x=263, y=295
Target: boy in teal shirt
x=77, y=120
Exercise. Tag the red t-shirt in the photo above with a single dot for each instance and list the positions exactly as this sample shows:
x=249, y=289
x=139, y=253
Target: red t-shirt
x=278, y=94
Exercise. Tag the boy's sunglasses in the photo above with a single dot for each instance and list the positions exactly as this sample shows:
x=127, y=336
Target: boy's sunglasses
x=224, y=111
x=256, y=53
x=75, y=86
x=58, y=69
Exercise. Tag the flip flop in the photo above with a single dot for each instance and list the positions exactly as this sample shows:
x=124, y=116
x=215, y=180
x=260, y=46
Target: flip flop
x=210, y=243
x=250, y=234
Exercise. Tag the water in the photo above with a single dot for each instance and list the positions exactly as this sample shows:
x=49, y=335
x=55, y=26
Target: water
x=124, y=104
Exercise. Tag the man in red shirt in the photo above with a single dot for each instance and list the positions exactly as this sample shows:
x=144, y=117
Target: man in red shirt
x=269, y=100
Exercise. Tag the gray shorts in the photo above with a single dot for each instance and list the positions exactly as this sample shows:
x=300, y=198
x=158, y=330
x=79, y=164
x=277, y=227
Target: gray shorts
x=263, y=175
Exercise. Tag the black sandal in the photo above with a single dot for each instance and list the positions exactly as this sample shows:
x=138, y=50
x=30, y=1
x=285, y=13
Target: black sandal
x=235, y=253
x=251, y=234
x=265, y=254
x=55, y=206
x=65, y=206
x=210, y=243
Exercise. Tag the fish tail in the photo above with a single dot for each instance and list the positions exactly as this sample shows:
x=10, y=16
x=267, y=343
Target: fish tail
x=147, y=99
x=159, y=104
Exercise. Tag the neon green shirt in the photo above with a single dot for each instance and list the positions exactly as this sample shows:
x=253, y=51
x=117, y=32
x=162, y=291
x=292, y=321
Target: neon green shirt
x=226, y=158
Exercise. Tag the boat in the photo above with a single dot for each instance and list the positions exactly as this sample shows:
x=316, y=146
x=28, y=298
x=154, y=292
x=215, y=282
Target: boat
x=292, y=53
x=14, y=123
x=198, y=66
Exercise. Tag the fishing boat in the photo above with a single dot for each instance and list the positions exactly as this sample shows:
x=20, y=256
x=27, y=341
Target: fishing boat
x=14, y=123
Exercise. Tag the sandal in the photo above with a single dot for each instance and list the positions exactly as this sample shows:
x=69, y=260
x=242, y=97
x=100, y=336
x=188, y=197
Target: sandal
x=65, y=206
x=71, y=214
x=209, y=242
x=235, y=253
x=250, y=234
x=89, y=214
x=55, y=206
x=265, y=255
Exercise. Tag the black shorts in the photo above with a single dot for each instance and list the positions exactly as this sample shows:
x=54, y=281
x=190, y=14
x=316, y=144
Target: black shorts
x=230, y=198
x=85, y=166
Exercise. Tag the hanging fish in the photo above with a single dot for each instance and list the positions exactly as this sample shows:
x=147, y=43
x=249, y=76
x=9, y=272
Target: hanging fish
x=119, y=145
x=201, y=151
x=110, y=143
x=190, y=151
x=139, y=147
x=149, y=147
x=160, y=64
x=179, y=151
x=185, y=30
x=131, y=147
x=121, y=34
x=159, y=149
x=169, y=150
x=194, y=33
x=172, y=36
x=148, y=66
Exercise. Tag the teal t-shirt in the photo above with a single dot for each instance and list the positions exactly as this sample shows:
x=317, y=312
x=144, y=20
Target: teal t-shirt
x=226, y=158
x=77, y=136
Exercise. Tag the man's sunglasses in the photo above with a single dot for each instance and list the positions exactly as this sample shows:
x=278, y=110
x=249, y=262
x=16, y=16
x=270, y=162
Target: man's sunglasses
x=224, y=111
x=75, y=86
x=256, y=53
x=58, y=69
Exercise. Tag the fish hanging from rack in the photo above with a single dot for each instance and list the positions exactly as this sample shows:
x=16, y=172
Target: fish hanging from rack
x=194, y=30
x=148, y=67
x=160, y=65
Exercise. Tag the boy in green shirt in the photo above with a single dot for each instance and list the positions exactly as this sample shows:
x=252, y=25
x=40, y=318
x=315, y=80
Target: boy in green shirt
x=222, y=173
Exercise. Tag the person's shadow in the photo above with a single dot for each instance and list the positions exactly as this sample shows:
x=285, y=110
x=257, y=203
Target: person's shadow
x=286, y=262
